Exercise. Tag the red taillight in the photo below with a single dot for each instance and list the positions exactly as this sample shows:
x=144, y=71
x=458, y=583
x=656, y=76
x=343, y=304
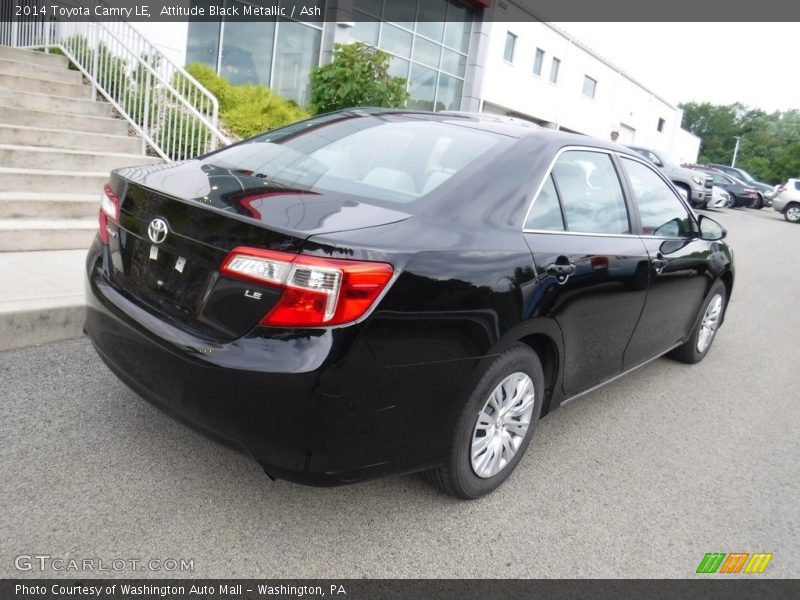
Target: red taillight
x=780, y=191
x=750, y=191
x=316, y=291
x=109, y=209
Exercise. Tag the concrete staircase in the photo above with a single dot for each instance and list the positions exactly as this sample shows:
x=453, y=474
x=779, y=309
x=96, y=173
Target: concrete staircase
x=57, y=147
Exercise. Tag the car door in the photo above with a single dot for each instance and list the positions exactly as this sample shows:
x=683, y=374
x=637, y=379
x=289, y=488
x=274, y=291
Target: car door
x=679, y=277
x=591, y=267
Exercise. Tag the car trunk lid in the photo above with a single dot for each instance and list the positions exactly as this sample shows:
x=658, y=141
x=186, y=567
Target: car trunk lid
x=178, y=222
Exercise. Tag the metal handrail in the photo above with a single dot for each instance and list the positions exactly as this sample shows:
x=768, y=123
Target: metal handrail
x=175, y=116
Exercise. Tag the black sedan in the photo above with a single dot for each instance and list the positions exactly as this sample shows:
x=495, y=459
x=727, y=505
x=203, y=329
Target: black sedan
x=742, y=194
x=374, y=291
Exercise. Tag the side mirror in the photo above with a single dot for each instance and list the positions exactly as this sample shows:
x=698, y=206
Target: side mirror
x=711, y=230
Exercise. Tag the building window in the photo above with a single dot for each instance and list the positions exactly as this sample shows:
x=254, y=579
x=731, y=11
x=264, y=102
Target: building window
x=537, y=61
x=242, y=52
x=554, y=67
x=427, y=43
x=589, y=86
x=511, y=42
x=660, y=127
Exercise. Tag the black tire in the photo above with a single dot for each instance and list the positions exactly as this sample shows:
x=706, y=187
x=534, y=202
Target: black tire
x=688, y=352
x=456, y=477
x=795, y=215
x=758, y=203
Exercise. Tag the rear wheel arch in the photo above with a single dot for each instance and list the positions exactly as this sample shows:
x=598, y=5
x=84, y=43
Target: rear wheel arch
x=547, y=350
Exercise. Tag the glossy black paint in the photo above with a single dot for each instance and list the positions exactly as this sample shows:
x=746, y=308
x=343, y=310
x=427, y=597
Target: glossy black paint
x=735, y=187
x=339, y=404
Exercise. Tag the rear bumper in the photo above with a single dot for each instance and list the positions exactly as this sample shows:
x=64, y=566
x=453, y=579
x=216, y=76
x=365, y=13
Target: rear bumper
x=312, y=407
x=779, y=204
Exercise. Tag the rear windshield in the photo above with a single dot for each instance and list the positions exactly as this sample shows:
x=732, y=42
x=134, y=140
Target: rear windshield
x=387, y=158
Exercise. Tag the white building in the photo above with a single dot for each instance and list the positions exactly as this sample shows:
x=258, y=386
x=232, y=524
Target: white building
x=539, y=72
x=470, y=60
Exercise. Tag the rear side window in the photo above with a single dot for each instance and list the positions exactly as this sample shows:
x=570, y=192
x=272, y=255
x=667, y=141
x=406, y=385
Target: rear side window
x=591, y=193
x=391, y=160
x=797, y=185
x=720, y=178
x=546, y=212
x=662, y=213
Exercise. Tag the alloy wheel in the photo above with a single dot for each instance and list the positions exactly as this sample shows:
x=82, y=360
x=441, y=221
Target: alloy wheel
x=709, y=324
x=793, y=214
x=502, y=425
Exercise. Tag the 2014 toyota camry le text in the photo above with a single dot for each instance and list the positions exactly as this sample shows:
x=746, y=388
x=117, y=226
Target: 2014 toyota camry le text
x=380, y=291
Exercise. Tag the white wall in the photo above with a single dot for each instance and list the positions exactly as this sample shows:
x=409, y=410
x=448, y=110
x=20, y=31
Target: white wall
x=169, y=38
x=619, y=101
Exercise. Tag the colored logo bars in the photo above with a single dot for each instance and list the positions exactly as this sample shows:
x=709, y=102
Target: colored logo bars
x=735, y=562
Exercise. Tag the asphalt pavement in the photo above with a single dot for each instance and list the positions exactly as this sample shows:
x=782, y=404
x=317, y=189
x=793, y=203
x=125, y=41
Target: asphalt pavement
x=638, y=479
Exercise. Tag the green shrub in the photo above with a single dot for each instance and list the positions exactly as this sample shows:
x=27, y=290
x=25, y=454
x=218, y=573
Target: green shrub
x=357, y=76
x=247, y=110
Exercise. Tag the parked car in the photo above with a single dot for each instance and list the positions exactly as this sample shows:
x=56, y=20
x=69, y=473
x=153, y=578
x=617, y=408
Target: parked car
x=787, y=201
x=720, y=198
x=378, y=291
x=765, y=191
x=743, y=195
x=692, y=185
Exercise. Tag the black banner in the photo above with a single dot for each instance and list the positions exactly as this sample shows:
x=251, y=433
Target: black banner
x=400, y=10
x=736, y=588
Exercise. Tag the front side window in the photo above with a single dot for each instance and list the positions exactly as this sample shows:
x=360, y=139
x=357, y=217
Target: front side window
x=511, y=42
x=655, y=159
x=721, y=179
x=591, y=193
x=661, y=211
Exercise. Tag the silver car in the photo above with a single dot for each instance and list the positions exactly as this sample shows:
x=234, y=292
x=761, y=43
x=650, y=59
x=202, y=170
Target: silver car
x=787, y=201
x=720, y=198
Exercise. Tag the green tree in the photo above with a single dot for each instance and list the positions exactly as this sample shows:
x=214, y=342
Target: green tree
x=358, y=75
x=769, y=143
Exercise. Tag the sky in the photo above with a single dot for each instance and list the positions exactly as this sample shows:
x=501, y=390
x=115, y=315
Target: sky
x=752, y=63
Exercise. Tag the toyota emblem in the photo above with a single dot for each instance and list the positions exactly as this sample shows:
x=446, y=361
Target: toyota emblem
x=157, y=230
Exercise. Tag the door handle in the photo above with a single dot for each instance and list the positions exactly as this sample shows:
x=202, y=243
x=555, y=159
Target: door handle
x=561, y=269
x=658, y=264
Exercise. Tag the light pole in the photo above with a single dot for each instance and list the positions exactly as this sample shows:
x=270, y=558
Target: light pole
x=735, y=151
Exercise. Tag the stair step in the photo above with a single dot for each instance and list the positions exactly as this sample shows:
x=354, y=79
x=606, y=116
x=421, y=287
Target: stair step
x=48, y=119
x=42, y=86
x=53, y=205
x=22, y=235
x=39, y=71
x=42, y=298
x=54, y=103
x=53, y=61
x=66, y=160
x=43, y=180
x=21, y=135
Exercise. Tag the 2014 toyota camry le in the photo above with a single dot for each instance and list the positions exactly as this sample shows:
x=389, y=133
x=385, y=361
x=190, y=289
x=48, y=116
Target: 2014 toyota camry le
x=382, y=291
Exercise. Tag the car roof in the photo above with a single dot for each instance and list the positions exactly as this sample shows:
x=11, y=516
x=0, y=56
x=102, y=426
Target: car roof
x=498, y=124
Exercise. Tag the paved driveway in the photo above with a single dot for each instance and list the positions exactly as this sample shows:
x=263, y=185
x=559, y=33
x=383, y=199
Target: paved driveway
x=638, y=479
